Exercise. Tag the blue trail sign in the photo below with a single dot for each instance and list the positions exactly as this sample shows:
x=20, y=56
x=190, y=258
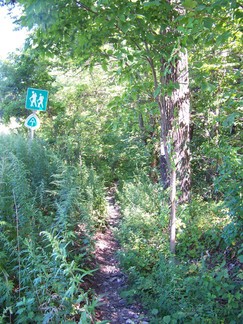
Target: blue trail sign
x=36, y=99
x=32, y=122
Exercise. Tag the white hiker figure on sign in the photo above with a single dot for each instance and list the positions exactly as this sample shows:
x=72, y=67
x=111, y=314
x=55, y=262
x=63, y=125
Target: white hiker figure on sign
x=40, y=101
x=33, y=98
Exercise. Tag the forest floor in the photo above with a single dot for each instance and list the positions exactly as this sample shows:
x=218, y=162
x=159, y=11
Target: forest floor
x=109, y=279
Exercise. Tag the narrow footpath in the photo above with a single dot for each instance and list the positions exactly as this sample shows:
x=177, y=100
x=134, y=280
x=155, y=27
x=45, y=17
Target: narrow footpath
x=109, y=279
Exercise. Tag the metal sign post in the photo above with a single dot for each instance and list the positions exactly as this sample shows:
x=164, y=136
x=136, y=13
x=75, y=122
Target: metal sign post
x=32, y=134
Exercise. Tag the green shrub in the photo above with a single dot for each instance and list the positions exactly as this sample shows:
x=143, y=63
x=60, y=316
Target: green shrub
x=200, y=228
x=47, y=216
x=191, y=293
x=229, y=185
x=203, y=284
x=143, y=213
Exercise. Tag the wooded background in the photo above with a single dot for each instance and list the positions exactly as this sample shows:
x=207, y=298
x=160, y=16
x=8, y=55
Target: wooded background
x=144, y=94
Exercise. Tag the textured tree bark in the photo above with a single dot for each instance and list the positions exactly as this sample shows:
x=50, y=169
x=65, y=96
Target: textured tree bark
x=175, y=153
x=182, y=131
x=175, y=121
x=174, y=106
x=165, y=162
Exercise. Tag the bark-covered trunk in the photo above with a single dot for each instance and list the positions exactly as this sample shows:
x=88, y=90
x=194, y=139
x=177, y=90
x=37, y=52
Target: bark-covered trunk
x=175, y=119
x=182, y=131
x=174, y=105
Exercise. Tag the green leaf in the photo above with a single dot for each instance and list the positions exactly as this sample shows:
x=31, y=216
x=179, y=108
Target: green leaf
x=157, y=91
x=208, y=23
x=240, y=258
x=229, y=121
x=189, y=4
x=166, y=319
x=140, y=16
x=152, y=3
x=155, y=311
x=104, y=65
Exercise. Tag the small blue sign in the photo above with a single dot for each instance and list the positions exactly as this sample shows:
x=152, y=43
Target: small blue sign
x=32, y=122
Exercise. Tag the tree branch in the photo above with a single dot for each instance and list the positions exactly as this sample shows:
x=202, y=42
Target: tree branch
x=82, y=5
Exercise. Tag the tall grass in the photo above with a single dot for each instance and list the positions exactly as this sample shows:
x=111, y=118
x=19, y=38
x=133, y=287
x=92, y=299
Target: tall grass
x=48, y=211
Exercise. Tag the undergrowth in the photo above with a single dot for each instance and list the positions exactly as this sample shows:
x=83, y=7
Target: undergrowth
x=48, y=211
x=204, y=283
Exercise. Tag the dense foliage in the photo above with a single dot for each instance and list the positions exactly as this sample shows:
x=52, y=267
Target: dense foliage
x=48, y=214
x=204, y=284
x=103, y=126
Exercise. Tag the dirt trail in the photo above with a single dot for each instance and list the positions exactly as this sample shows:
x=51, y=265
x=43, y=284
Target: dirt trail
x=109, y=279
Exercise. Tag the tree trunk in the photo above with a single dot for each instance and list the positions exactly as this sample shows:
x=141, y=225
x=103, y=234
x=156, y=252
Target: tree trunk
x=175, y=154
x=182, y=132
x=174, y=121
